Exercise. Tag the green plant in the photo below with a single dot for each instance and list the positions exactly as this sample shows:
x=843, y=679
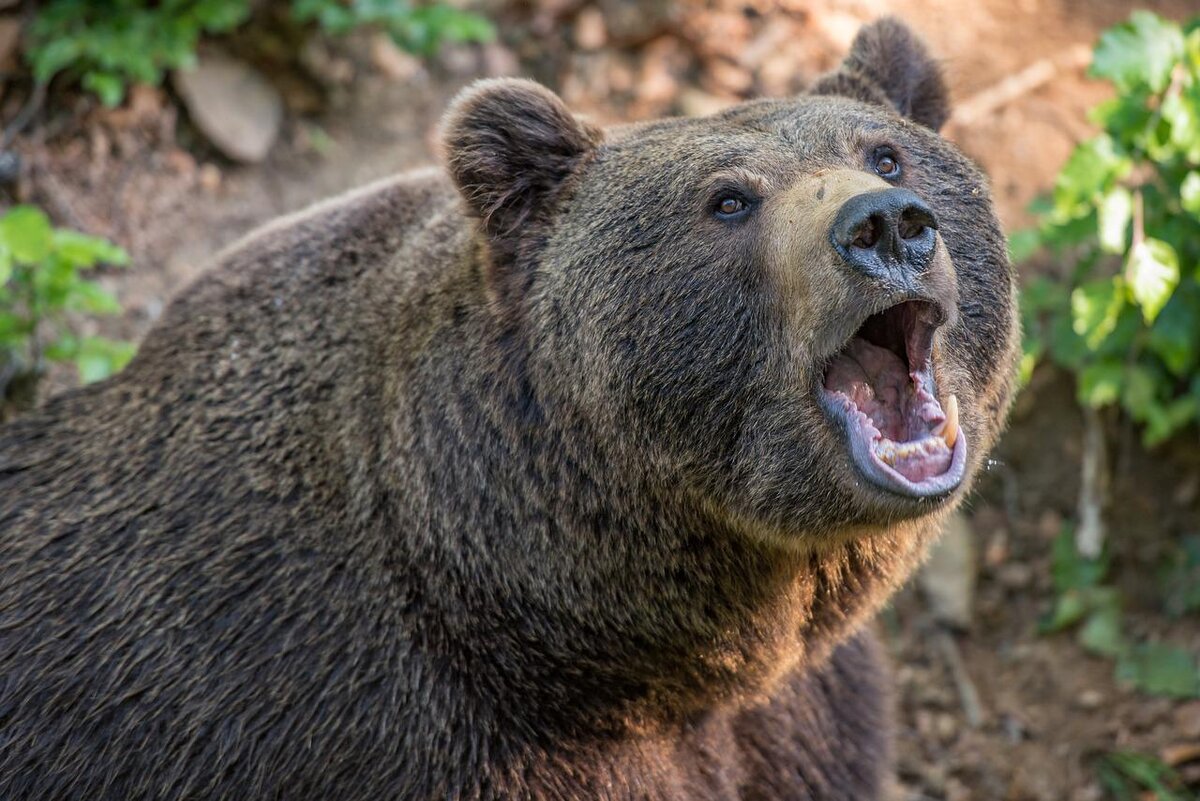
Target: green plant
x=40, y=284
x=1181, y=578
x=419, y=29
x=109, y=44
x=1085, y=601
x=1125, y=215
x=1125, y=774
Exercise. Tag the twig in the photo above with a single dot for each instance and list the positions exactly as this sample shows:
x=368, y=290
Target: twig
x=1030, y=79
x=967, y=694
x=1089, y=536
x=32, y=106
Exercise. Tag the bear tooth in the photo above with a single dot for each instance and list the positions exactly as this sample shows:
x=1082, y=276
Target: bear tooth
x=948, y=428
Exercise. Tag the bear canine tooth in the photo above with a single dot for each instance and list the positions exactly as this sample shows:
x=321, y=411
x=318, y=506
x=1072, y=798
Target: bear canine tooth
x=948, y=428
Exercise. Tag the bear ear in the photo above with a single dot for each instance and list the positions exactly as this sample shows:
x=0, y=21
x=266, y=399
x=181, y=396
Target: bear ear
x=889, y=64
x=509, y=145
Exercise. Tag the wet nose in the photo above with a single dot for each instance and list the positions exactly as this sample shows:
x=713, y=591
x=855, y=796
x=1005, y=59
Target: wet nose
x=886, y=234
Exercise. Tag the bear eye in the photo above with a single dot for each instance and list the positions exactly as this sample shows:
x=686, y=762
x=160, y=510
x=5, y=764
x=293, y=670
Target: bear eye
x=731, y=206
x=886, y=164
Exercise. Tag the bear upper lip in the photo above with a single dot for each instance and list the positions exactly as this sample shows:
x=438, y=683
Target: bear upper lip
x=880, y=389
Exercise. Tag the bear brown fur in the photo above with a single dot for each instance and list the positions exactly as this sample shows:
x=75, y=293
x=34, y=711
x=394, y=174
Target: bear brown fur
x=503, y=482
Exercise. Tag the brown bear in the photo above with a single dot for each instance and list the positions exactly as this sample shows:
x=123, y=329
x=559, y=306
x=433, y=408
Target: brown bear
x=570, y=472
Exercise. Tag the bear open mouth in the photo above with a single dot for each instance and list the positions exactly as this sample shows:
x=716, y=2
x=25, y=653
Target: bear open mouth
x=881, y=388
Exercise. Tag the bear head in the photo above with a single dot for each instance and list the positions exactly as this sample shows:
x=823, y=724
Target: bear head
x=796, y=315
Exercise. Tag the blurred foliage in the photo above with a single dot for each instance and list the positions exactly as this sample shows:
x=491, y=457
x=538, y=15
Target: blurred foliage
x=418, y=29
x=41, y=282
x=1125, y=214
x=1130, y=776
x=109, y=44
x=1084, y=601
x=1181, y=578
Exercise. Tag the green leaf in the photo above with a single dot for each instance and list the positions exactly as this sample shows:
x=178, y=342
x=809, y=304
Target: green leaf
x=82, y=250
x=6, y=265
x=1095, y=309
x=1153, y=274
x=1160, y=669
x=1126, y=118
x=1121, y=768
x=1182, y=577
x=1023, y=244
x=1139, y=392
x=1100, y=384
x=1101, y=634
x=1092, y=168
x=1181, y=110
x=1163, y=421
x=1069, y=609
x=1072, y=570
x=1116, y=209
x=107, y=86
x=88, y=297
x=97, y=358
x=1189, y=193
x=26, y=233
x=1139, y=54
x=1175, y=336
x=62, y=349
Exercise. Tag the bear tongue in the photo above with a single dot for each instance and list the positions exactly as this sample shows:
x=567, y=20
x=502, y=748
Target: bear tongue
x=878, y=382
x=915, y=434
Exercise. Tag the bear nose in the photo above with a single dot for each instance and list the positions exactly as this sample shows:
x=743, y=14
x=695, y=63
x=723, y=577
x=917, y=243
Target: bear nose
x=886, y=234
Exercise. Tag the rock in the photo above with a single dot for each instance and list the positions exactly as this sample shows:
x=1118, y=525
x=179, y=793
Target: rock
x=948, y=578
x=838, y=28
x=697, y=103
x=726, y=76
x=209, y=178
x=957, y=791
x=1015, y=575
x=232, y=104
x=1090, y=699
x=10, y=167
x=391, y=60
x=1050, y=524
x=1187, y=719
x=629, y=23
x=658, y=84
x=590, y=31
x=499, y=61
x=459, y=59
x=946, y=726
x=1090, y=792
x=325, y=64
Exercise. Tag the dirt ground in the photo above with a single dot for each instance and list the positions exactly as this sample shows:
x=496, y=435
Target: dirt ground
x=143, y=176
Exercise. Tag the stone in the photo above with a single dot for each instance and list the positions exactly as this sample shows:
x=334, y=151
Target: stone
x=948, y=578
x=393, y=62
x=1015, y=575
x=1187, y=719
x=698, y=103
x=590, y=31
x=232, y=104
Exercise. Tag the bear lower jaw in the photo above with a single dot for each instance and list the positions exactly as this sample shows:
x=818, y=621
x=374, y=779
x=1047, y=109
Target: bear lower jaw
x=880, y=389
x=925, y=468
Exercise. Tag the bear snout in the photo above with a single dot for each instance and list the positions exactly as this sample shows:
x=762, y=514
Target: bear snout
x=888, y=234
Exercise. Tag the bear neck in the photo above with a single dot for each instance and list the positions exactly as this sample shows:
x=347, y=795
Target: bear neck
x=569, y=595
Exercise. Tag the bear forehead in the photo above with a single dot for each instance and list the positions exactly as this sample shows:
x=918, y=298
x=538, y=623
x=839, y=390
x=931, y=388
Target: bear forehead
x=803, y=127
